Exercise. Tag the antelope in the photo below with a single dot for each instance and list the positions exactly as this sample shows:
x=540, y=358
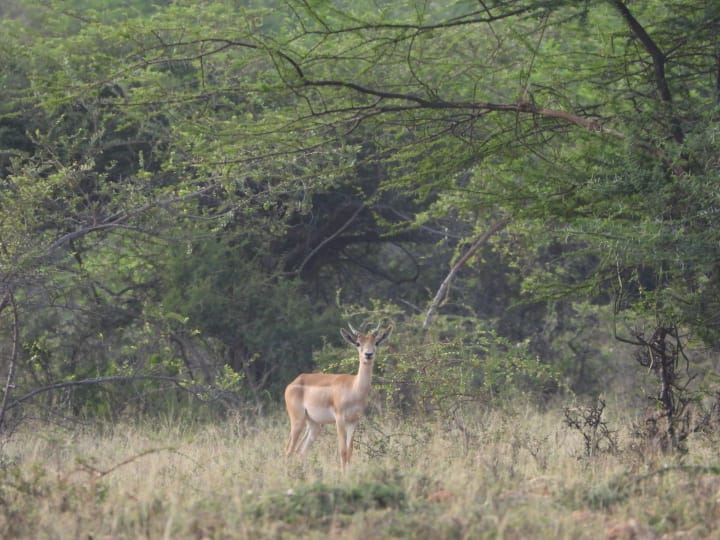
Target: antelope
x=314, y=399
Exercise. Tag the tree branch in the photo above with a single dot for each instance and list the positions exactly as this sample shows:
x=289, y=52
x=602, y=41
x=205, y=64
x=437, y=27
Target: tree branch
x=89, y=382
x=117, y=220
x=445, y=285
x=590, y=124
x=465, y=20
x=330, y=238
x=9, y=299
x=658, y=59
x=521, y=107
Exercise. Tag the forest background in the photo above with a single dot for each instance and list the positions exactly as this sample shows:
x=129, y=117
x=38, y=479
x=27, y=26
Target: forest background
x=194, y=196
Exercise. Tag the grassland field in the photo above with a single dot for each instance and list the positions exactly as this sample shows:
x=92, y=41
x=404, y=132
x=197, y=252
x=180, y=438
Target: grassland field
x=514, y=473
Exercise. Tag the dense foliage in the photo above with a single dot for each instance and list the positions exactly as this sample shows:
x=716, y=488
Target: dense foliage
x=194, y=196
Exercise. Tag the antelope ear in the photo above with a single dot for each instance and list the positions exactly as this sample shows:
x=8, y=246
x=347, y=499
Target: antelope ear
x=385, y=334
x=350, y=338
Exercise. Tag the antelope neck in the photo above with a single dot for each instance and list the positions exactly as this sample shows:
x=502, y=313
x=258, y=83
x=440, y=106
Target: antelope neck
x=362, y=381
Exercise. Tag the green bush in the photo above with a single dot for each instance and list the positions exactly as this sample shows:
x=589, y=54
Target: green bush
x=455, y=360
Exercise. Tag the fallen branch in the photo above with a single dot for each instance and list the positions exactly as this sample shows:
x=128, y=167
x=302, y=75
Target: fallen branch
x=97, y=473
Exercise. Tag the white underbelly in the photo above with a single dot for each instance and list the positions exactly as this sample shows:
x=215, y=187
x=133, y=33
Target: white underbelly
x=321, y=415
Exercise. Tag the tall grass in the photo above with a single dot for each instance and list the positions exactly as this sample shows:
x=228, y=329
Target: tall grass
x=482, y=474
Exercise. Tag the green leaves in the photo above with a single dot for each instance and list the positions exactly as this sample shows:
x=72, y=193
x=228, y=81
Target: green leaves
x=217, y=172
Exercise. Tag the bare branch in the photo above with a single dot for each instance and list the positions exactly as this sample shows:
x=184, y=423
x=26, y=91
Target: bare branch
x=413, y=103
x=329, y=239
x=99, y=473
x=445, y=285
x=89, y=382
x=9, y=299
x=658, y=59
x=465, y=20
x=117, y=220
x=590, y=124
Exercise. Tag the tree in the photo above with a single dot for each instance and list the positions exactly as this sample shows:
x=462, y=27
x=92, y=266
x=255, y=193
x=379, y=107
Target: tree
x=323, y=146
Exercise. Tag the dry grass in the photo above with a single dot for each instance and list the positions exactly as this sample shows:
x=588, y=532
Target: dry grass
x=518, y=474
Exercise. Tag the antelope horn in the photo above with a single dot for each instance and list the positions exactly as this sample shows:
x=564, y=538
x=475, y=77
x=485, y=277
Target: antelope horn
x=377, y=328
x=354, y=332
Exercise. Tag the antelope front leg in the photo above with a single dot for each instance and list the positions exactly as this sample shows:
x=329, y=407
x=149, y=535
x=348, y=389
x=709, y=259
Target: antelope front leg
x=349, y=435
x=342, y=444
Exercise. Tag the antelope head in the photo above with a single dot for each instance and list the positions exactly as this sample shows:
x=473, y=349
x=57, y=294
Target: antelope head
x=366, y=343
